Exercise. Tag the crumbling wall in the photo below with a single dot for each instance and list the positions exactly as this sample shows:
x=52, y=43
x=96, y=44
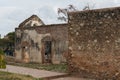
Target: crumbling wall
x=18, y=36
x=32, y=21
x=34, y=35
x=94, y=43
x=59, y=35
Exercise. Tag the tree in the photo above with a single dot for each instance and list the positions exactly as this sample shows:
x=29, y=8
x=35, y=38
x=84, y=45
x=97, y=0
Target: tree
x=3, y=43
x=7, y=43
x=63, y=13
x=11, y=37
x=88, y=7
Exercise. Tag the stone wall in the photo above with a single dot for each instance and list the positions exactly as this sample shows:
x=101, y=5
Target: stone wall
x=94, y=43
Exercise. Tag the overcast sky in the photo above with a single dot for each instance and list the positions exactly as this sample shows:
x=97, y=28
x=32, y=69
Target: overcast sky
x=13, y=12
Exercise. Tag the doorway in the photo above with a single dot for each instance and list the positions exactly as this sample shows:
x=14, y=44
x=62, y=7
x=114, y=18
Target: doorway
x=47, y=52
x=25, y=52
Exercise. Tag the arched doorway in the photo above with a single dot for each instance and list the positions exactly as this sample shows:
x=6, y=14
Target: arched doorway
x=47, y=50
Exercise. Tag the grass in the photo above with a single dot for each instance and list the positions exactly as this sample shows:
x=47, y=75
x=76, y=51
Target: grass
x=12, y=76
x=49, y=67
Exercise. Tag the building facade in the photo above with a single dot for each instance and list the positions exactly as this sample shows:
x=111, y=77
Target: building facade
x=40, y=43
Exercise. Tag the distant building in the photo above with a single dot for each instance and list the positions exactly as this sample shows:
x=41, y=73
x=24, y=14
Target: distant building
x=37, y=42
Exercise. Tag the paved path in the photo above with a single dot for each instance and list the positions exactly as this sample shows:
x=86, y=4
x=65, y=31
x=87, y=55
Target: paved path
x=39, y=73
x=33, y=72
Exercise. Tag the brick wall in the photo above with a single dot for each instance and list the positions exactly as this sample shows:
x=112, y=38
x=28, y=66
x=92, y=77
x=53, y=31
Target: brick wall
x=94, y=43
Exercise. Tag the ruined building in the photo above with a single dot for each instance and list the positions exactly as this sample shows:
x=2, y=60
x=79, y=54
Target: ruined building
x=40, y=43
x=92, y=36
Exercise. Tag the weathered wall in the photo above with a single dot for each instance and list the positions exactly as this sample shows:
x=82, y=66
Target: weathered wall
x=27, y=41
x=18, y=36
x=32, y=38
x=94, y=43
x=59, y=35
x=34, y=35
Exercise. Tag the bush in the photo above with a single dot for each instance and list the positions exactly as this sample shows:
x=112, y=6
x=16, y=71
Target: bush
x=1, y=52
x=2, y=60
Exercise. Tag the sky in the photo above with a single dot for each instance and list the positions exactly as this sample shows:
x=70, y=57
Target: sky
x=13, y=12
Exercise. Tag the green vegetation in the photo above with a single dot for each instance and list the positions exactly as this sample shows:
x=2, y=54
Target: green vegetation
x=11, y=76
x=49, y=67
x=1, y=52
x=11, y=37
x=8, y=41
x=2, y=60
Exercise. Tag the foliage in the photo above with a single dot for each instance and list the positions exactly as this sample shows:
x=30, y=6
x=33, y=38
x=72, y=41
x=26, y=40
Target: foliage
x=2, y=60
x=3, y=43
x=11, y=36
x=63, y=13
x=7, y=43
x=1, y=52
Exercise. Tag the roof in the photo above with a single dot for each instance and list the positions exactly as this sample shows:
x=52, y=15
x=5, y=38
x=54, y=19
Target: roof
x=50, y=25
x=31, y=18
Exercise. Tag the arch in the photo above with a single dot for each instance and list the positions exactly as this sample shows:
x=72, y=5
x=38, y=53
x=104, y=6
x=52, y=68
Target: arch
x=47, y=38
